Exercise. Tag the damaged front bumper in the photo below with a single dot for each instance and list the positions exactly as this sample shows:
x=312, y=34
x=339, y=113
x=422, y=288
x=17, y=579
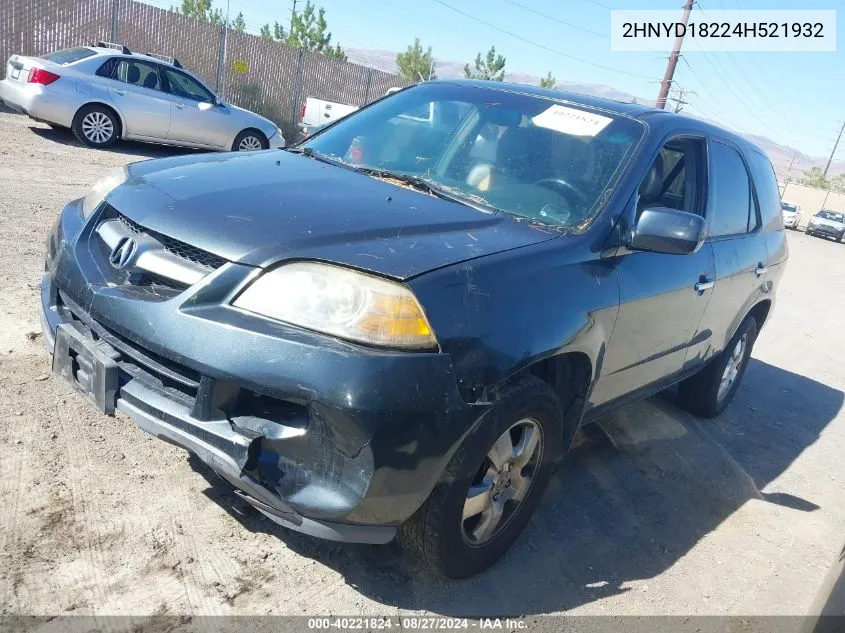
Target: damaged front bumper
x=328, y=438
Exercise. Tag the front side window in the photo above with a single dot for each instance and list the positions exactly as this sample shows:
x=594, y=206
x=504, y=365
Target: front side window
x=69, y=55
x=187, y=87
x=137, y=73
x=528, y=156
x=729, y=203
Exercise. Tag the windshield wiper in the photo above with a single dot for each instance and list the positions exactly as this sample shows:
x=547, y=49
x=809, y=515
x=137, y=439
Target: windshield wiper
x=432, y=187
x=323, y=158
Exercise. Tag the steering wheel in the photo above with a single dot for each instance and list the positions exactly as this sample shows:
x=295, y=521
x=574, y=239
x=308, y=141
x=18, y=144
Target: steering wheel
x=564, y=188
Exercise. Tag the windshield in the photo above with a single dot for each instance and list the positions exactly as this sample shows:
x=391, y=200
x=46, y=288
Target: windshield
x=789, y=208
x=525, y=155
x=68, y=55
x=831, y=215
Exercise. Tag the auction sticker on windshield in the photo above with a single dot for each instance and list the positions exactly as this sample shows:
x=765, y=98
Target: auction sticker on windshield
x=571, y=121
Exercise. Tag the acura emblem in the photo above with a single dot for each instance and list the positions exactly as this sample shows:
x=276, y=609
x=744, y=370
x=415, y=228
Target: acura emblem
x=122, y=253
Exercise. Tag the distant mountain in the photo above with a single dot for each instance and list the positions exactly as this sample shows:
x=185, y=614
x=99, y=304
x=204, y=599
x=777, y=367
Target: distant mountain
x=779, y=154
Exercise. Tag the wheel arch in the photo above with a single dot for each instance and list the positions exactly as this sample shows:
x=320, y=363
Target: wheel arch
x=109, y=107
x=569, y=375
x=249, y=128
x=760, y=311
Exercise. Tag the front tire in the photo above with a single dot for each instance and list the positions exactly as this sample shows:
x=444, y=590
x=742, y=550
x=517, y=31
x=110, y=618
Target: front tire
x=493, y=483
x=707, y=393
x=250, y=141
x=96, y=126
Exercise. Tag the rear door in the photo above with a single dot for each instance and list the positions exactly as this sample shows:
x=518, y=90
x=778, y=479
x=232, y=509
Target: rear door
x=195, y=118
x=739, y=250
x=136, y=88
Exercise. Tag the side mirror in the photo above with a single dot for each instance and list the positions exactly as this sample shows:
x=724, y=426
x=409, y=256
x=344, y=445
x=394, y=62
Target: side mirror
x=664, y=230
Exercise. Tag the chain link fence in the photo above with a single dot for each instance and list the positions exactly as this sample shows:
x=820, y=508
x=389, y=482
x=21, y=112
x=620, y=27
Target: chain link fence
x=267, y=77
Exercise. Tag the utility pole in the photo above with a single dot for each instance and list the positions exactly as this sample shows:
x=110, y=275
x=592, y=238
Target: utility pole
x=835, y=145
x=292, y=16
x=788, y=170
x=673, y=59
x=679, y=98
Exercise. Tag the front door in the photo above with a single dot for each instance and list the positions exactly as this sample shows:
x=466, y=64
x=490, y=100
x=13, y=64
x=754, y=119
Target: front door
x=136, y=90
x=662, y=297
x=195, y=116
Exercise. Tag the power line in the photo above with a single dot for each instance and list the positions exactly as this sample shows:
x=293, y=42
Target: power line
x=537, y=44
x=558, y=20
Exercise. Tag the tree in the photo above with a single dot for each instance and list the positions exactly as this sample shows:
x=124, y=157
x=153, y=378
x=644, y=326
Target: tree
x=238, y=24
x=492, y=67
x=308, y=31
x=815, y=178
x=414, y=64
x=202, y=10
x=548, y=81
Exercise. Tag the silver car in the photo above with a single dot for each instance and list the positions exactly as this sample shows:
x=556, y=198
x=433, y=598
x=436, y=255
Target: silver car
x=106, y=92
x=791, y=215
x=827, y=224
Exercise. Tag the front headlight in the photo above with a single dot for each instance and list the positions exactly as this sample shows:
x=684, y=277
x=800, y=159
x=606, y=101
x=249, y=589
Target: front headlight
x=341, y=302
x=109, y=181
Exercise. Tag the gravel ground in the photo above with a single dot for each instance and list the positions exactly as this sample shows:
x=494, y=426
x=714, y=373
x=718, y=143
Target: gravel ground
x=655, y=512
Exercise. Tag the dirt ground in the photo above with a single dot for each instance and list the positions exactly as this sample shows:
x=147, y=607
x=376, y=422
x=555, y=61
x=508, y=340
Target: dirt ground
x=655, y=512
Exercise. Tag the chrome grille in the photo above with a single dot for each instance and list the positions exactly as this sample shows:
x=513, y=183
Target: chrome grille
x=177, y=247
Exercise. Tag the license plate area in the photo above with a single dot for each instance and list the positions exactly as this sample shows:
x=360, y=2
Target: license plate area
x=89, y=365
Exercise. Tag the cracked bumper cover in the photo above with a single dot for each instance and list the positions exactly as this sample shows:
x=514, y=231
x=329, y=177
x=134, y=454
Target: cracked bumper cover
x=370, y=430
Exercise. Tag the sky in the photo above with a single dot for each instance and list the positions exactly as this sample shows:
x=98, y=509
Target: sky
x=796, y=99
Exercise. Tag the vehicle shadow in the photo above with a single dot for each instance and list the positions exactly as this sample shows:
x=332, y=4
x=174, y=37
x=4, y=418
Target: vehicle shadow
x=133, y=148
x=637, y=492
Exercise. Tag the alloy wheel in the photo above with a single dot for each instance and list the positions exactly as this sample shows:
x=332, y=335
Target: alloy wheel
x=733, y=367
x=97, y=127
x=250, y=143
x=502, y=482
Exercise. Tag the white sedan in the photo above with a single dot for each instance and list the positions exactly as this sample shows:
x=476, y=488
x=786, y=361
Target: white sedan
x=791, y=214
x=106, y=92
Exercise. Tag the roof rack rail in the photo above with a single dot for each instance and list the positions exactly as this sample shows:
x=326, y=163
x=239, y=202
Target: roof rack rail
x=165, y=58
x=123, y=48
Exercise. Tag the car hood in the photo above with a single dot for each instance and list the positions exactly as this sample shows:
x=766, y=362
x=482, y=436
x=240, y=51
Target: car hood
x=264, y=207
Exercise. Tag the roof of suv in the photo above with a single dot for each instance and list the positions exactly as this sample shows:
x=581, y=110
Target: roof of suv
x=634, y=110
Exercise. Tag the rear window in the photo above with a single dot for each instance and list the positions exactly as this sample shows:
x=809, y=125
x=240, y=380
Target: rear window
x=68, y=55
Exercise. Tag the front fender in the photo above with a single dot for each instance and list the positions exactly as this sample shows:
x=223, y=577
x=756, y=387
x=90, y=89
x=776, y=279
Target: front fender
x=497, y=315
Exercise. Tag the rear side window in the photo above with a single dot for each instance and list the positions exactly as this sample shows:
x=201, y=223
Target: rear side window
x=766, y=187
x=69, y=55
x=730, y=207
x=138, y=73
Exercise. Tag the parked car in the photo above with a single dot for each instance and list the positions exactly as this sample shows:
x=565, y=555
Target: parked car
x=408, y=343
x=315, y=114
x=827, y=224
x=106, y=92
x=791, y=215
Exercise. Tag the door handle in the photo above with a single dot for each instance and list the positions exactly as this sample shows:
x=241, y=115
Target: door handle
x=122, y=93
x=701, y=286
x=181, y=106
x=760, y=270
